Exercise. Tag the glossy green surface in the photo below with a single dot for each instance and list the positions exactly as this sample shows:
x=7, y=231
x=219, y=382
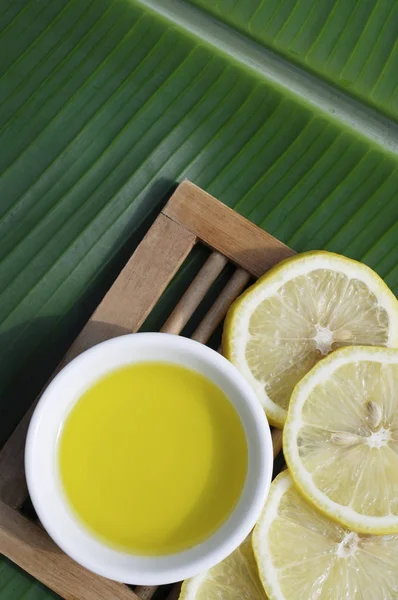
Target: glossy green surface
x=16, y=585
x=104, y=107
x=351, y=43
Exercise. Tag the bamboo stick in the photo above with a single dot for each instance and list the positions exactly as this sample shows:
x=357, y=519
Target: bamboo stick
x=213, y=318
x=195, y=293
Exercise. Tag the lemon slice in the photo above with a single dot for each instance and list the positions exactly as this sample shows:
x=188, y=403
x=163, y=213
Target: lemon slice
x=341, y=438
x=235, y=578
x=302, y=555
x=301, y=310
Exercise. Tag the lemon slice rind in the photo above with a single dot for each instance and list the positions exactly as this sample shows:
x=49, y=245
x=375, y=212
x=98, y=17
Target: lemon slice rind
x=238, y=318
x=235, y=578
x=323, y=371
x=302, y=554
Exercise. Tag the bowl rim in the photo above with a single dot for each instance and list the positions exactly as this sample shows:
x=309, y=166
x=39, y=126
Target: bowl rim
x=182, y=565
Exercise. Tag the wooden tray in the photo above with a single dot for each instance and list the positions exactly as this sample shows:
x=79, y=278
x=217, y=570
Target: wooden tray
x=191, y=216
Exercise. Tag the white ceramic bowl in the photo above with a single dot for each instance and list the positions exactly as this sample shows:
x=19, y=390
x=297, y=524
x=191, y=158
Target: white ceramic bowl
x=43, y=477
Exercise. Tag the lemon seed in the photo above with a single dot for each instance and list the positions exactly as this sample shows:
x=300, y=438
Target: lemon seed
x=375, y=414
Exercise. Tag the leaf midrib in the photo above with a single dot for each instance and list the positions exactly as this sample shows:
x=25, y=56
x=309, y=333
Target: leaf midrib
x=293, y=80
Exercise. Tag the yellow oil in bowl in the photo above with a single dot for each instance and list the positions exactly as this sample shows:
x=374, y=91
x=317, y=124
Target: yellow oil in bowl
x=153, y=458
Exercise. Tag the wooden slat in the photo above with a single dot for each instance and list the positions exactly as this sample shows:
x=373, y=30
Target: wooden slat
x=195, y=293
x=29, y=546
x=223, y=230
x=145, y=592
x=148, y=592
x=13, y=490
x=139, y=286
x=277, y=435
x=123, y=310
x=175, y=592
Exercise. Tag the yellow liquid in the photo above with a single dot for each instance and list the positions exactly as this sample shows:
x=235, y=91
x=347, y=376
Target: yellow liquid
x=153, y=458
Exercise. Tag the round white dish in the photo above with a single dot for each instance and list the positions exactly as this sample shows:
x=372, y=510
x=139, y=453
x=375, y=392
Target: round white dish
x=42, y=471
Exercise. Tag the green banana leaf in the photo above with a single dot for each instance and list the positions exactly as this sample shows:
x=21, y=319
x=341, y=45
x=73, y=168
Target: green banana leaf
x=286, y=111
x=351, y=43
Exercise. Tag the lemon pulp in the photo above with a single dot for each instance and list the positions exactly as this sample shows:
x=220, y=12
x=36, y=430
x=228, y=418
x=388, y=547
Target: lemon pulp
x=341, y=438
x=234, y=578
x=297, y=313
x=302, y=555
x=153, y=458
